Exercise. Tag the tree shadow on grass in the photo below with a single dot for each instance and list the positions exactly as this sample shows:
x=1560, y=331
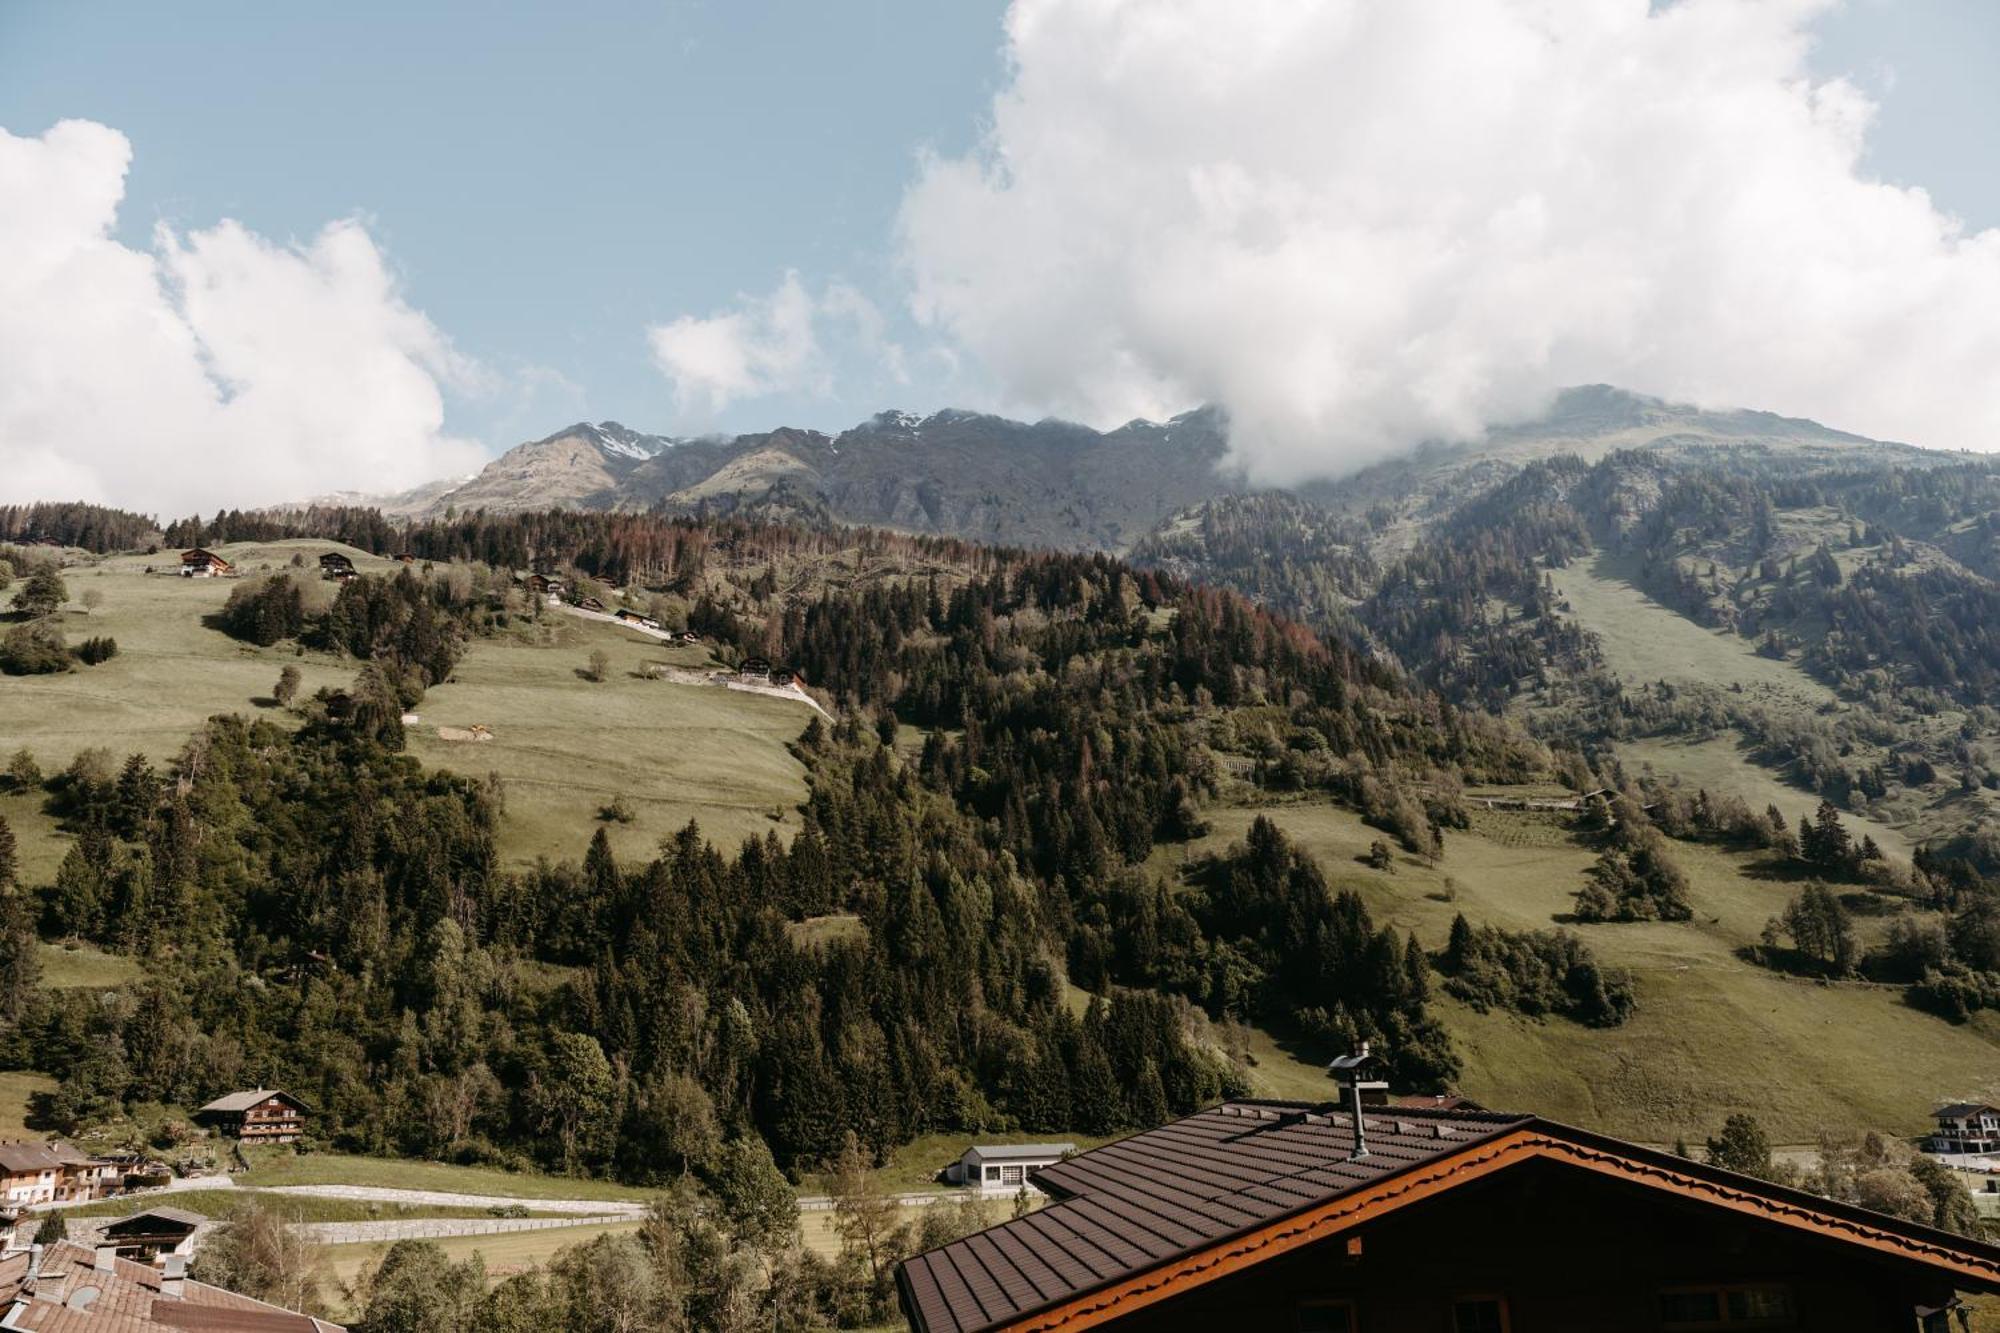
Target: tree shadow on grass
x=41, y=1112
x=1788, y=962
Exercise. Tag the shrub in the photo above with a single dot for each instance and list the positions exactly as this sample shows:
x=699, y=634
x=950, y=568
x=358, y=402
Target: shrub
x=92, y=651
x=34, y=649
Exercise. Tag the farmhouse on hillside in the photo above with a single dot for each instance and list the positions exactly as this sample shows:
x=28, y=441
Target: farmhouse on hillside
x=200, y=564
x=755, y=668
x=1966, y=1127
x=631, y=617
x=32, y=1173
x=70, y=1288
x=590, y=604
x=544, y=586
x=260, y=1115
x=1293, y=1216
x=1002, y=1168
x=333, y=565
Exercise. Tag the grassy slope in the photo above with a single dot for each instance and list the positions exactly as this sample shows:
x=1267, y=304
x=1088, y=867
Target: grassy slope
x=76, y=966
x=505, y=1254
x=1721, y=765
x=1645, y=641
x=1713, y=1034
x=172, y=672
x=16, y=1086
x=564, y=746
x=276, y=1166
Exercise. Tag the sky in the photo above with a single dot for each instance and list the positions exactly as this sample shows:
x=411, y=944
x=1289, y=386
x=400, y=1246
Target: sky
x=358, y=246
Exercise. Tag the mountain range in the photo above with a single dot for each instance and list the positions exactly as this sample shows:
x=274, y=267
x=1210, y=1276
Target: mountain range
x=1055, y=483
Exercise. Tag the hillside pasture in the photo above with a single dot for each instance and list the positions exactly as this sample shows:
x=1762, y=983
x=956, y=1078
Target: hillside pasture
x=172, y=672
x=1713, y=1034
x=565, y=747
x=275, y=1166
x=1721, y=765
x=1644, y=641
x=18, y=1088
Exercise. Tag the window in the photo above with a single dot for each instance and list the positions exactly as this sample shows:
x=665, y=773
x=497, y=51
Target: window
x=1010, y=1175
x=993, y=1173
x=1748, y=1305
x=1326, y=1317
x=1479, y=1314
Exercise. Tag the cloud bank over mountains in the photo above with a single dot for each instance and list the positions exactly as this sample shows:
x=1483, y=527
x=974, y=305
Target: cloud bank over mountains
x=216, y=367
x=1360, y=224
x=771, y=344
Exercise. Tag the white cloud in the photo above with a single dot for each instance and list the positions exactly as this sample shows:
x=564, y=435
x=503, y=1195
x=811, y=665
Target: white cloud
x=216, y=368
x=767, y=345
x=1361, y=223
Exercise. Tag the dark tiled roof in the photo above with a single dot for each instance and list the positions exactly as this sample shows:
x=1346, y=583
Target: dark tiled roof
x=1960, y=1110
x=1170, y=1191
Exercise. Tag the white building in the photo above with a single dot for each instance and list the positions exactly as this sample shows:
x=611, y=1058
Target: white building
x=1003, y=1168
x=1966, y=1127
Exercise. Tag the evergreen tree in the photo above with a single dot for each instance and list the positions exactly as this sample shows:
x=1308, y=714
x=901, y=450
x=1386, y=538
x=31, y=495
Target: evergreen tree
x=1742, y=1147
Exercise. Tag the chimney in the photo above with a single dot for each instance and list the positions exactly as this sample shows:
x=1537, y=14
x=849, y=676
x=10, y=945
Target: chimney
x=173, y=1277
x=107, y=1258
x=1354, y=1071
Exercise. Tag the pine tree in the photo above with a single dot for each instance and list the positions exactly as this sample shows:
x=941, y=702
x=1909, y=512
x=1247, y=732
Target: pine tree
x=9, y=856
x=1742, y=1147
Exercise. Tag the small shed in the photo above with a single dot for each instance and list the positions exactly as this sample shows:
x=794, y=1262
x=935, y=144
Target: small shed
x=1003, y=1168
x=147, y=1237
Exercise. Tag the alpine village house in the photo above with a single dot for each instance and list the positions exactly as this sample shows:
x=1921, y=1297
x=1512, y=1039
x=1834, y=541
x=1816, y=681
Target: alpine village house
x=1393, y=1218
x=1967, y=1127
x=261, y=1115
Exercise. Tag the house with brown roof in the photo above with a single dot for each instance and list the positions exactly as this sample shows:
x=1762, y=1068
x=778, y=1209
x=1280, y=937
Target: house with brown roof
x=200, y=564
x=54, y=1172
x=71, y=1288
x=1313, y=1219
x=154, y=1234
x=260, y=1115
x=1966, y=1127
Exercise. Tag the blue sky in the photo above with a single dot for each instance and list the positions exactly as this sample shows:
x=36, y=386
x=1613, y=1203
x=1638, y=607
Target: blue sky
x=547, y=183
x=548, y=179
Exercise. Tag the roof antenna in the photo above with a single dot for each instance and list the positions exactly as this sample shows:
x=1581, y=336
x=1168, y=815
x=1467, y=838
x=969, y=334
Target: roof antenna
x=1354, y=1071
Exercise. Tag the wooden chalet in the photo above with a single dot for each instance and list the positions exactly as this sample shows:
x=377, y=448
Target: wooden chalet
x=69, y=1287
x=590, y=604
x=543, y=585
x=754, y=668
x=147, y=1236
x=259, y=1115
x=631, y=617
x=333, y=564
x=1291, y=1216
x=200, y=564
